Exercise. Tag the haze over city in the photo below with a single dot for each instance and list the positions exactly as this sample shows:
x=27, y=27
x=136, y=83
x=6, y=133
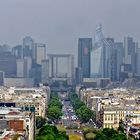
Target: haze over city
x=59, y=23
x=69, y=70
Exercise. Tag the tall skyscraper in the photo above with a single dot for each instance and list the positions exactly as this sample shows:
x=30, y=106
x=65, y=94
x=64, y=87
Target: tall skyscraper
x=97, y=63
x=138, y=62
x=40, y=52
x=119, y=58
x=45, y=71
x=28, y=46
x=21, y=68
x=8, y=64
x=110, y=59
x=2, y=76
x=101, y=55
x=130, y=55
x=84, y=51
x=17, y=51
x=78, y=76
x=29, y=65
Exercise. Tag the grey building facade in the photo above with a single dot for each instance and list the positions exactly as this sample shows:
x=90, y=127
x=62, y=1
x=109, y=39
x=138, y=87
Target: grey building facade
x=84, y=50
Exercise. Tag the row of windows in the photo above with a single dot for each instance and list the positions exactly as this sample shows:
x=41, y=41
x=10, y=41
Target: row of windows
x=108, y=126
x=109, y=117
x=113, y=117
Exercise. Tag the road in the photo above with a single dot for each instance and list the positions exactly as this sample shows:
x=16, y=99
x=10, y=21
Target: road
x=69, y=118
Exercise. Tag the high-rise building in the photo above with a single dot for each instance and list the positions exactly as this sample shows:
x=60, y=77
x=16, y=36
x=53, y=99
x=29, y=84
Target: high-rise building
x=17, y=51
x=2, y=75
x=21, y=68
x=96, y=63
x=119, y=58
x=28, y=46
x=5, y=48
x=57, y=62
x=35, y=73
x=45, y=71
x=130, y=55
x=40, y=53
x=110, y=59
x=84, y=50
x=138, y=62
x=8, y=64
x=29, y=65
x=78, y=75
x=101, y=56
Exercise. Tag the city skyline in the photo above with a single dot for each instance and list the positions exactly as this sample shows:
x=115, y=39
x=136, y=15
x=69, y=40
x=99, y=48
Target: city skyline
x=69, y=69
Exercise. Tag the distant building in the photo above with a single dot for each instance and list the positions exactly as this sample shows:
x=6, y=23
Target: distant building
x=130, y=55
x=119, y=58
x=28, y=46
x=102, y=58
x=138, y=62
x=89, y=83
x=97, y=63
x=35, y=73
x=18, y=82
x=111, y=67
x=45, y=71
x=78, y=75
x=8, y=64
x=40, y=53
x=17, y=51
x=2, y=75
x=5, y=48
x=29, y=65
x=21, y=68
x=61, y=67
x=84, y=50
x=96, y=82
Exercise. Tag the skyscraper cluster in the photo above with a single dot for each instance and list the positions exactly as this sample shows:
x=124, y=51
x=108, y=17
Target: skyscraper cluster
x=98, y=58
x=106, y=58
x=23, y=63
x=29, y=64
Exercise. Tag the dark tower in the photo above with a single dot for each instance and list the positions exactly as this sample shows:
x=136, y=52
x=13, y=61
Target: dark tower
x=84, y=48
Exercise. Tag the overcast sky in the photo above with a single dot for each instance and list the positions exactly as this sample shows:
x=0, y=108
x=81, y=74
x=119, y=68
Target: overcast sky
x=59, y=23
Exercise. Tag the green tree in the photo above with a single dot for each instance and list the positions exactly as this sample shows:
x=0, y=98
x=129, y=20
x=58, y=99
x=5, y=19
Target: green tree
x=110, y=134
x=121, y=126
x=54, y=107
x=120, y=136
x=101, y=136
x=48, y=132
x=55, y=102
x=84, y=113
x=90, y=136
x=54, y=113
x=40, y=122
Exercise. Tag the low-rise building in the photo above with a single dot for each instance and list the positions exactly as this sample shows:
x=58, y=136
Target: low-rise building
x=17, y=122
x=111, y=105
x=27, y=97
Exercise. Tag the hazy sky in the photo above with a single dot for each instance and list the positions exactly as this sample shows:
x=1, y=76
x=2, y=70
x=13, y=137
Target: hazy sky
x=59, y=23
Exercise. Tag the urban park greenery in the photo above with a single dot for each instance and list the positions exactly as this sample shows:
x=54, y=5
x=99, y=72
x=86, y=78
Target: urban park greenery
x=103, y=134
x=50, y=132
